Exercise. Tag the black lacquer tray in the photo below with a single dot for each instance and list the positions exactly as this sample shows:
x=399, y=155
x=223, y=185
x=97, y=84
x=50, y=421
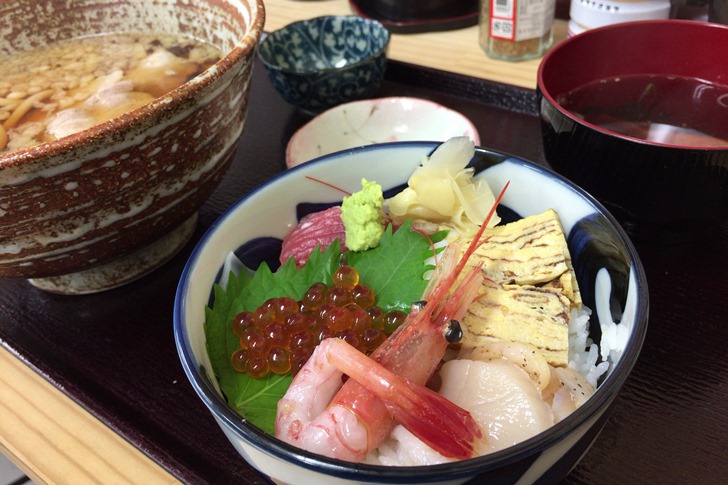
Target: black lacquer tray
x=456, y=20
x=114, y=352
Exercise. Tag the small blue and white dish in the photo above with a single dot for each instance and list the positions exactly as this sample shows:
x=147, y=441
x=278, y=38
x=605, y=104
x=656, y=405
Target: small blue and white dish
x=608, y=269
x=325, y=61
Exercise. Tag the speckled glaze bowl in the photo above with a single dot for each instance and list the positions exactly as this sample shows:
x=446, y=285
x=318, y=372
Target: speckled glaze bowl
x=610, y=274
x=318, y=63
x=662, y=192
x=104, y=206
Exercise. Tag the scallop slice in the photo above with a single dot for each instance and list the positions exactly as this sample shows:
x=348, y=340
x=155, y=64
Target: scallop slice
x=566, y=391
x=501, y=398
x=527, y=356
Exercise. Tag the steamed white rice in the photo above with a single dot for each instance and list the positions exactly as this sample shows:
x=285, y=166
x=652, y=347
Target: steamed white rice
x=583, y=352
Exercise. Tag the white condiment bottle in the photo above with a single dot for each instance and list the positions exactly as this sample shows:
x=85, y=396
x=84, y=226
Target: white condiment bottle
x=589, y=14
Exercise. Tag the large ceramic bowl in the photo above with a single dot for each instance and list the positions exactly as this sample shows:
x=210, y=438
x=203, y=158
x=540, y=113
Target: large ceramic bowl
x=318, y=63
x=76, y=212
x=666, y=188
x=609, y=271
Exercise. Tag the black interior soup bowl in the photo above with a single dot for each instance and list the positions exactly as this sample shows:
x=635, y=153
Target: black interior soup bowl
x=637, y=115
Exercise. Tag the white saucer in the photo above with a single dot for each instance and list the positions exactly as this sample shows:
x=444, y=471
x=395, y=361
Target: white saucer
x=376, y=121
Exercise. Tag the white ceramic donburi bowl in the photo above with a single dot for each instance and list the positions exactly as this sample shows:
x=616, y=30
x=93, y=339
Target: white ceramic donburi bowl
x=610, y=276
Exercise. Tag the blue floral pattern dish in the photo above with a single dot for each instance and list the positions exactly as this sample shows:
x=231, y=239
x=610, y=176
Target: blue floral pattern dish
x=322, y=62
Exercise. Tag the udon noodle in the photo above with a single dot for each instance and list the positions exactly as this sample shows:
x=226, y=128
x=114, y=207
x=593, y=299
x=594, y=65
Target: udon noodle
x=69, y=86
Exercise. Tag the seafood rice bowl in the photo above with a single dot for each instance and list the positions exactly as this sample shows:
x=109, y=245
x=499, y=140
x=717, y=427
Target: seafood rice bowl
x=484, y=343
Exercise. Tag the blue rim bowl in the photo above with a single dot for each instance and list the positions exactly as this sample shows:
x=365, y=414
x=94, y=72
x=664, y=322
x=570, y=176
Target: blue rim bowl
x=318, y=63
x=609, y=271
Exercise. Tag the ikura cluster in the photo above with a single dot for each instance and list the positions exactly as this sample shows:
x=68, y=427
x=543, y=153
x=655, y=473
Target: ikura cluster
x=280, y=335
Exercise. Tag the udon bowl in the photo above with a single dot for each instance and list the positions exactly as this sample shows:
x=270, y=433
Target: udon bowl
x=661, y=188
x=608, y=269
x=101, y=207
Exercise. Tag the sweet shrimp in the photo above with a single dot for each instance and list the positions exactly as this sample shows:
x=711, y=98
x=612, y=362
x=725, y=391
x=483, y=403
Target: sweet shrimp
x=347, y=421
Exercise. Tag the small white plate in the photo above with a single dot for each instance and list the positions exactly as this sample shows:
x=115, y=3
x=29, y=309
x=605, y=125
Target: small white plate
x=378, y=120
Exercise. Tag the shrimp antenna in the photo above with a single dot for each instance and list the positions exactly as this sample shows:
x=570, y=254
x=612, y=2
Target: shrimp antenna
x=478, y=235
x=322, y=182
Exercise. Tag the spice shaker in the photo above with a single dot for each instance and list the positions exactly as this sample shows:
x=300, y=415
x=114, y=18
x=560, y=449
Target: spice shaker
x=589, y=14
x=516, y=30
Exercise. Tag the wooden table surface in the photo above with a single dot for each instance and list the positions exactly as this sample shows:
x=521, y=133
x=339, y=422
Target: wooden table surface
x=454, y=51
x=55, y=440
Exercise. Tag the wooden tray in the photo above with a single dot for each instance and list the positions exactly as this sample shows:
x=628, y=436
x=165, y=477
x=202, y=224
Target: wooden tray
x=114, y=352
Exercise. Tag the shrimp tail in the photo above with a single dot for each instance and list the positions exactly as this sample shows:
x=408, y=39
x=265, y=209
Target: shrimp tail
x=438, y=422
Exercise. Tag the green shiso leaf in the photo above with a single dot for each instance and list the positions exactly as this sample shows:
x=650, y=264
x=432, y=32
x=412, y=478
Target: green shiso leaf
x=256, y=399
x=394, y=270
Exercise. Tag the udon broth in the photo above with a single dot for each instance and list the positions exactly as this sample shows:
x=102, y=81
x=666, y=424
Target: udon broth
x=672, y=110
x=69, y=86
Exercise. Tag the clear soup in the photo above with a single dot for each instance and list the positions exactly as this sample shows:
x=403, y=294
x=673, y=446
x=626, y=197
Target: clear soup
x=671, y=110
x=68, y=86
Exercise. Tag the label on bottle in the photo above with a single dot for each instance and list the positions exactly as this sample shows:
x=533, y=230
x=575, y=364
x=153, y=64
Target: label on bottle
x=518, y=20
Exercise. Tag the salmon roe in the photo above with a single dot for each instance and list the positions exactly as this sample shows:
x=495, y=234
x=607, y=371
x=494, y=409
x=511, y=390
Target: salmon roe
x=279, y=336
